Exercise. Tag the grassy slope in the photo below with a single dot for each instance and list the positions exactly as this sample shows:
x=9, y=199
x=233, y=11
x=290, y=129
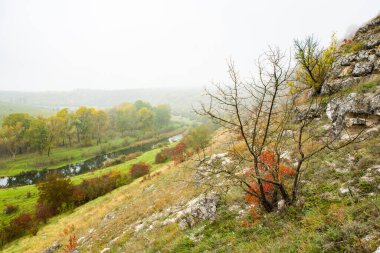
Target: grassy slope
x=327, y=221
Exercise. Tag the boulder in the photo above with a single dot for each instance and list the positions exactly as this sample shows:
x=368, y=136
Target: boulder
x=362, y=68
x=199, y=209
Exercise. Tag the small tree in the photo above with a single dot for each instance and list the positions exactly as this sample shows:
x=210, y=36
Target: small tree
x=313, y=62
x=198, y=137
x=56, y=192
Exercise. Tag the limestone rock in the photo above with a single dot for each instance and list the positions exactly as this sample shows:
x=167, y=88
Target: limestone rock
x=350, y=68
x=362, y=68
x=201, y=208
x=53, y=248
x=281, y=205
x=354, y=110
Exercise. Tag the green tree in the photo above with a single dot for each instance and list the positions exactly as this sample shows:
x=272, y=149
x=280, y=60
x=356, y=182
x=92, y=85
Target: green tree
x=314, y=62
x=141, y=104
x=124, y=117
x=83, y=120
x=8, y=138
x=145, y=118
x=100, y=124
x=161, y=115
x=199, y=137
x=18, y=125
x=39, y=135
x=63, y=124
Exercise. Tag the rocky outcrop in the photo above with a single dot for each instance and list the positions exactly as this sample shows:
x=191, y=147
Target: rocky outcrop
x=352, y=71
x=354, y=111
x=201, y=208
x=363, y=64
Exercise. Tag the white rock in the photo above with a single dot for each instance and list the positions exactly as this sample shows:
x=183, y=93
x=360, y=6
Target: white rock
x=343, y=190
x=105, y=250
x=281, y=205
x=139, y=227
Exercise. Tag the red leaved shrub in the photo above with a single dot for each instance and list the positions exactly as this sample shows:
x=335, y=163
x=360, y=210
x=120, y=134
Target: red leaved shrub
x=19, y=226
x=266, y=167
x=139, y=170
x=43, y=212
x=177, y=154
x=92, y=188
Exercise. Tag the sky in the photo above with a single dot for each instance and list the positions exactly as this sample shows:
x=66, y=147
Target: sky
x=121, y=44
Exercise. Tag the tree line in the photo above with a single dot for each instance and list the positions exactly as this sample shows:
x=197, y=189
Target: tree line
x=22, y=133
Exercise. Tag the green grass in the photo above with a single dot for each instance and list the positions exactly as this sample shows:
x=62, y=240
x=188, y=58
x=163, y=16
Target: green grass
x=59, y=157
x=370, y=86
x=352, y=47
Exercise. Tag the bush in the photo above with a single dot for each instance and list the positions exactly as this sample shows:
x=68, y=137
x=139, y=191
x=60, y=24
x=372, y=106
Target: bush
x=139, y=170
x=56, y=192
x=19, y=226
x=92, y=188
x=9, y=209
x=43, y=212
x=161, y=157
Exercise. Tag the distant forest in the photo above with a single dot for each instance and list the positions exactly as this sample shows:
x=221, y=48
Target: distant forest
x=180, y=100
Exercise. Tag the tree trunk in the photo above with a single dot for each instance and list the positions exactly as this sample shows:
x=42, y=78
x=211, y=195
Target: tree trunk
x=295, y=182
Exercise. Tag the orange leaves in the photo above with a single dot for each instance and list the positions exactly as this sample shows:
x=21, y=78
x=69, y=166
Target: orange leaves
x=72, y=242
x=270, y=172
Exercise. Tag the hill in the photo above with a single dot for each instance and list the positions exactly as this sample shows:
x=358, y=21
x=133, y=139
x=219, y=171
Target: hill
x=169, y=214
x=180, y=100
x=8, y=108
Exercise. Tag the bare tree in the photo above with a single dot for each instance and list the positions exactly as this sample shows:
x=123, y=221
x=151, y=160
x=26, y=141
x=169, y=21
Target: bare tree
x=270, y=122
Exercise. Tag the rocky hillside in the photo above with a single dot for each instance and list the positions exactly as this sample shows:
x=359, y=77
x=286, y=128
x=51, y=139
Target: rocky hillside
x=356, y=76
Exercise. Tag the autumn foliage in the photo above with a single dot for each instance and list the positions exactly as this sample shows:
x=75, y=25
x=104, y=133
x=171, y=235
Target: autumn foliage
x=270, y=171
x=139, y=170
x=19, y=226
x=72, y=239
x=178, y=154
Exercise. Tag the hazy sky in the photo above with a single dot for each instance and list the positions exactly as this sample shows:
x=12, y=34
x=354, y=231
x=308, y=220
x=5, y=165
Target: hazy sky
x=64, y=45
